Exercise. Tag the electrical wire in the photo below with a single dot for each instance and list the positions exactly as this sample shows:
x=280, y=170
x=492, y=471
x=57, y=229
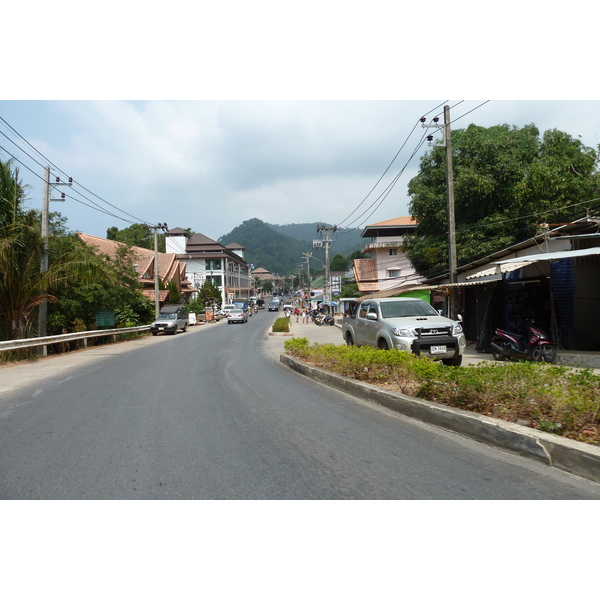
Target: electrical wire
x=391, y=163
x=96, y=205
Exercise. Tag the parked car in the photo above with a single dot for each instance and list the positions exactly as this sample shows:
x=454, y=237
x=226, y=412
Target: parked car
x=274, y=305
x=170, y=320
x=408, y=324
x=237, y=315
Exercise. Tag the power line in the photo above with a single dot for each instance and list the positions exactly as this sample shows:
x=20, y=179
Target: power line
x=99, y=208
x=391, y=163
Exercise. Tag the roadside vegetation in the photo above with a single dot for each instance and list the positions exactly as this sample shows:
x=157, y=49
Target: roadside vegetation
x=550, y=398
x=281, y=325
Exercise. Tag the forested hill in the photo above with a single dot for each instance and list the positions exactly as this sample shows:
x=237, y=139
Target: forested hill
x=273, y=248
x=345, y=241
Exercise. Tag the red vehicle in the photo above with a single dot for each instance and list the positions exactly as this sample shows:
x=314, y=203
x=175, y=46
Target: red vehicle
x=534, y=346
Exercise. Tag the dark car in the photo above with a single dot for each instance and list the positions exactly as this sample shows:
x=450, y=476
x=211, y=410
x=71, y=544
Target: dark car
x=274, y=305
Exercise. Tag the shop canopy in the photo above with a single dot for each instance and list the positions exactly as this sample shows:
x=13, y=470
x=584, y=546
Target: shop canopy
x=512, y=264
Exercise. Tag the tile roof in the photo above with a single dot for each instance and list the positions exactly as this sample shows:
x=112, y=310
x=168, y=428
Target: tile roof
x=365, y=274
x=398, y=221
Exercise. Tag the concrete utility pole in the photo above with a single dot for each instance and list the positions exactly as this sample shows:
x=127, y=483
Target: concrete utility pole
x=326, y=242
x=43, y=308
x=307, y=258
x=164, y=227
x=452, y=262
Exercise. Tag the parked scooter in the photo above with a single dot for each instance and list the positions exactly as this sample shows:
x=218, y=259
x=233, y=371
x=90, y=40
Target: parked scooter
x=534, y=346
x=321, y=319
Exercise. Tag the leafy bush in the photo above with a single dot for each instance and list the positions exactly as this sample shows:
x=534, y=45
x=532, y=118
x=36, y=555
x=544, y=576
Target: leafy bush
x=551, y=398
x=281, y=325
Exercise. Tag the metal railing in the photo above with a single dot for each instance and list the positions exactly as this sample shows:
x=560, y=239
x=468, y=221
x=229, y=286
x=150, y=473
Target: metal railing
x=68, y=337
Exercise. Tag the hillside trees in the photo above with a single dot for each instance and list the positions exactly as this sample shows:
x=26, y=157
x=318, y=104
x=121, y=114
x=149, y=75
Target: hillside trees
x=506, y=180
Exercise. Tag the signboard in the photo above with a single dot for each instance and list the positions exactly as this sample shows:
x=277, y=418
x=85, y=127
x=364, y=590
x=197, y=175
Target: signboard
x=105, y=318
x=336, y=285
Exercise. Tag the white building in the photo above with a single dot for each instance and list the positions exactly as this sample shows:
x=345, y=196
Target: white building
x=206, y=259
x=388, y=266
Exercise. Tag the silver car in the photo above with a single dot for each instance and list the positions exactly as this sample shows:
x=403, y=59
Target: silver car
x=237, y=315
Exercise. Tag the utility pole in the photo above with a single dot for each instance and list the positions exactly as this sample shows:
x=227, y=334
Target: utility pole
x=326, y=243
x=164, y=227
x=307, y=258
x=43, y=308
x=452, y=262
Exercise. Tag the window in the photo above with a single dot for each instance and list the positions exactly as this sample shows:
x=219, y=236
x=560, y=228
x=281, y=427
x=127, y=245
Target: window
x=393, y=252
x=213, y=264
x=393, y=273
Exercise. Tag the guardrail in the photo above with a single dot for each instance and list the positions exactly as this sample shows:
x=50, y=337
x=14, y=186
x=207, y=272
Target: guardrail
x=69, y=337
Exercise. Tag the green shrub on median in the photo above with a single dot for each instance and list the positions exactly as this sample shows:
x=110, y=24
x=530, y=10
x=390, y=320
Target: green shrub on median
x=547, y=397
x=281, y=325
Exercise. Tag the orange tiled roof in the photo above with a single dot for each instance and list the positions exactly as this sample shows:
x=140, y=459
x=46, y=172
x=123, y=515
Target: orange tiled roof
x=398, y=221
x=169, y=268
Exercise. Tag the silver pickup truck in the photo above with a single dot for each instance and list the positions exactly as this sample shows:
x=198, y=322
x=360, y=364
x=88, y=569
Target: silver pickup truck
x=408, y=324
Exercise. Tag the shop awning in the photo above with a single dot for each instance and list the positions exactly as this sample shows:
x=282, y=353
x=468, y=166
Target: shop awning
x=512, y=264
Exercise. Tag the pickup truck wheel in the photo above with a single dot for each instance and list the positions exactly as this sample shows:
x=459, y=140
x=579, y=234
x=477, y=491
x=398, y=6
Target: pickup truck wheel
x=455, y=361
x=382, y=345
x=349, y=340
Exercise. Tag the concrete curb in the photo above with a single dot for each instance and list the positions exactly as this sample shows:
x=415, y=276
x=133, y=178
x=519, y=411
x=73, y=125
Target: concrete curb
x=564, y=454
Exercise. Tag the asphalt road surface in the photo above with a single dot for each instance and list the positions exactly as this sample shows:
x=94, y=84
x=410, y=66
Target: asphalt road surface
x=212, y=414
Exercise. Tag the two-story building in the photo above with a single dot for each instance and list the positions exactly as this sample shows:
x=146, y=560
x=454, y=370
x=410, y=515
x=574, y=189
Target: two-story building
x=388, y=266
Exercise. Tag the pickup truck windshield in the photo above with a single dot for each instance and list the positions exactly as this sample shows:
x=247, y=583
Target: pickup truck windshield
x=416, y=308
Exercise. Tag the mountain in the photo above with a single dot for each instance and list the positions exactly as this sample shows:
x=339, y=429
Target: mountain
x=280, y=248
x=345, y=241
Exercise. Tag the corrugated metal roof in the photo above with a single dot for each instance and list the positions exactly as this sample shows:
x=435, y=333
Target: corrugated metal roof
x=512, y=264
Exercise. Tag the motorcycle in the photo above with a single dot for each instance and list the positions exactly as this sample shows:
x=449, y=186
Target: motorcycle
x=324, y=319
x=534, y=346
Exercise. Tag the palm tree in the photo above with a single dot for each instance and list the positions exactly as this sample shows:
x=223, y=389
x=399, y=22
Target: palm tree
x=22, y=286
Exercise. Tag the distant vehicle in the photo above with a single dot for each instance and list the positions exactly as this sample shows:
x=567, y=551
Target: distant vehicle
x=274, y=305
x=288, y=305
x=260, y=303
x=170, y=320
x=228, y=308
x=237, y=315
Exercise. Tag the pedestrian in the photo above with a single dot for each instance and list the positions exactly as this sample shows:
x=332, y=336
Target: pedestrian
x=305, y=316
x=297, y=313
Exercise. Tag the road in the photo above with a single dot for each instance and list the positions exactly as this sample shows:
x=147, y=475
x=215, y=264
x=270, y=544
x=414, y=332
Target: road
x=212, y=414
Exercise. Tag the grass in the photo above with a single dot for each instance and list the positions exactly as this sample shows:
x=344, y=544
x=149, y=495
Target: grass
x=551, y=398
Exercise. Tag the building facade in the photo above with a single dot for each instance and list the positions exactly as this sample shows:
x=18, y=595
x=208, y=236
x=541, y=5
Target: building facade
x=206, y=259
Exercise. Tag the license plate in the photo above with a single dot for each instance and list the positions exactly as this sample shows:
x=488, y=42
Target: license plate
x=438, y=349
x=161, y=328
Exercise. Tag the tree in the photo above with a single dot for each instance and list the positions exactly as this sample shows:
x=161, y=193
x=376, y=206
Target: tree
x=136, y=235
x=210, y=294
x=506, y=180
x=339, y=263
x=116, y=287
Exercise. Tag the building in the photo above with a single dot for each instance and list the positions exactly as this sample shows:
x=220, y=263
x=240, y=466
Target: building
x=208, y=260
x=169, y=269
x=388, y=266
